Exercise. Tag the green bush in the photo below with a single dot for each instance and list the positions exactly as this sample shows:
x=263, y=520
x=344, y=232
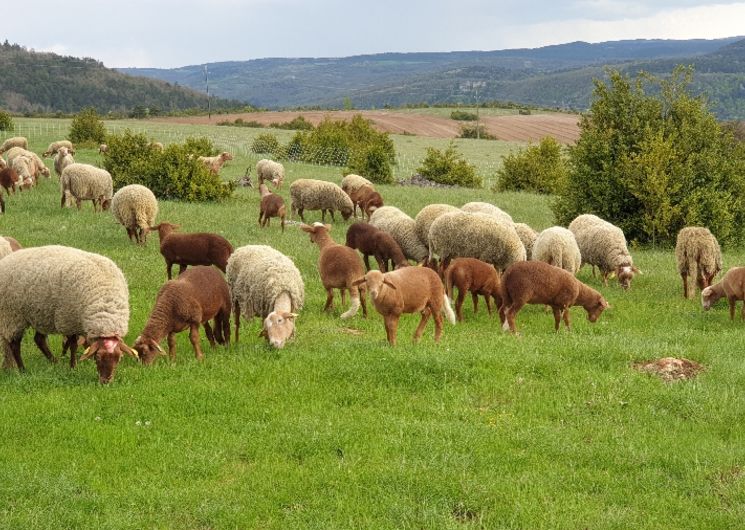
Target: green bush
x=463, y=115
x=6, y=121
x=87, y=128
x=297, y=124
x=449, y=167
x=372, y=163
x=265, y=143
x=475, y=131
x=537, y=168
x=174, y=173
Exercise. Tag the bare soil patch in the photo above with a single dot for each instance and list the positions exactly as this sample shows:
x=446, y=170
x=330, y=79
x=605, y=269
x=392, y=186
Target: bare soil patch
x=671, y=368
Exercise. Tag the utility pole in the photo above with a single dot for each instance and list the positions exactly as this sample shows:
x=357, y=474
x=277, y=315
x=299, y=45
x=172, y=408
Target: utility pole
x=207, y=84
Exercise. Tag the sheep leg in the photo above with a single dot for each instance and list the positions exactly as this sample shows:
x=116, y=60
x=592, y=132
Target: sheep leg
x=169, y=265
x=732, y=303
x=261, y=215
x=333, y=219
x=438, y=324
x=208, y=332
x=354, y=294
x=566, y=317
x=557, y=317
x=323, y=215
x=426, y=312
x=62, y=200
x=510, y=315
x=475, y=298
x=194, y=338
x=13, y=354
x=685, y=284
x=224, y=324
x=182, y=268
x=130, y=233
x=41, y=342
x=71, y=343
x=300, y=211
x=283, y=223
x=172, y=346
x=237, y=317
x=366, y=259
x=343, y=292
x=391, y=327
x=329, y=299
x=459, y=303
x=488, y=304
x=742, y=312
x=363, y=301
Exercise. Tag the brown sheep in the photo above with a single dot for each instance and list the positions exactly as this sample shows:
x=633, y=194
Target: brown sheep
x=196, y=296
x=8, y=179
x=408, y=290
x=192, y=249
x=367, y=199
x=476, y=277
x=372, y=241
x=697, y=248
x=536, y=282
x=339, y=266
x=732, y=285
x=272, y=205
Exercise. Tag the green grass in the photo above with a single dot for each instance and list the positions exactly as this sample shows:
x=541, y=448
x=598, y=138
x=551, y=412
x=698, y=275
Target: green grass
x=484, y=430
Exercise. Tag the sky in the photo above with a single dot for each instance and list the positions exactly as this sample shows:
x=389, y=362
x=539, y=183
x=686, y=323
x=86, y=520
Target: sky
x=173, y=33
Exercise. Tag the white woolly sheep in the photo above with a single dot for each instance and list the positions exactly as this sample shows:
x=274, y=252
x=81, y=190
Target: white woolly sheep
x=65, y=291
x=135, y=208
x=557, y=246
x=603, y=244
x=24, y=168
x=489, y=209
x=426, y=216
x=697, y=252
x=269, y=170
x=62, y=159
x=265, y=283
x=351, y=183
x=312, y=194
x=214, y=163
x=403, y=229
x=54, y=147
x=474, y=235
x=37, y=165
x=16, y=141
x=527, y=235
x=86, y=182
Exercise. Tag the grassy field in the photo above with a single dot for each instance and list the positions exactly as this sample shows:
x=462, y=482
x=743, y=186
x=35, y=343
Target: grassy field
x=339, y=430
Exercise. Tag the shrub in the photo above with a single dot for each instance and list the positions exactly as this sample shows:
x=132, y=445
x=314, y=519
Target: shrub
x=265, y=143
x=475, y=131
x=372, y=163
x=537, y=168
x=449, y=167
x=463, y=115
x=297, y=124
x=87, y=128
x=6, y=121
x=173, y=173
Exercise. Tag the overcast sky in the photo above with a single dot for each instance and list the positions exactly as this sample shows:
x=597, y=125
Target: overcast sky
x=171, y=33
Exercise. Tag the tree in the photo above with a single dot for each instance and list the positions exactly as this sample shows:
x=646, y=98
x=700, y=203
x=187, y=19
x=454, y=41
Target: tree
x=537, y=168
x=87, y=127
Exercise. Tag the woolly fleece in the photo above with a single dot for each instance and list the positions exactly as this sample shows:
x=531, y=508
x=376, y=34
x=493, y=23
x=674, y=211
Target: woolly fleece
x=403, y=229
x=558, y=247
x=487, y=208
x=134, y=206
x=601, y=243
x=312, y=194
x=697, y=247
x=86, y=182
x=426, y=216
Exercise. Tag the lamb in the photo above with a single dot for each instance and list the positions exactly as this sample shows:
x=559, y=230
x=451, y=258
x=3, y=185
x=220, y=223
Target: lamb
x=201, y=248
x=403, y=229
x=63, y=290
x=351, y=182
x=474, y=235
x=528, y=236
x=697, y=248
x=62, y=159
x=37, y=165
x=408, y=290
x=474, y=276
x=86, y=182
x=195, y=297
x=266, y=283
x=367, y=199
x=536, y=282
x=270, y=170
x=8, y=179
x=339, y=266
x=603, y=244
x=732, y=285
x=373, y=241
x=16, y=141
x=557, y=246
x=135, y=208
x=214, y=163
x=489, y=209
x=312, y=194
x=272, y=205
x=54, y=148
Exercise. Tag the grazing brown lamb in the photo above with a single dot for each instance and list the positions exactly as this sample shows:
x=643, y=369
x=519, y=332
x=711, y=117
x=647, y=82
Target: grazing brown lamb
x=272, y=205
x=8, y=179
x=732, y=285
x=474, y=276
x=367, y=198
x=536, y=282
x=201, y=248
x=372, y=241
x=196, y=296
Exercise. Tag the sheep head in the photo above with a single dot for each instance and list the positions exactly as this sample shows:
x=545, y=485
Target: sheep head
x=709, y=297
x=317, y=231
x=164, y=229
x=375, y=281
x=148, y=349
x=625, y=274
x=594, y=310
x=107, y=352
x=346, y=212
x=226, y=156
x=279, y=326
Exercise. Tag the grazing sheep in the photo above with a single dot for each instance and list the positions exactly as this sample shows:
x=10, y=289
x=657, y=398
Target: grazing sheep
x=158, y=146
x=558, y=247
x=54, y=148
x=367, y=199
x=265, y=283
x=403, y=229
x=270, y=170
x=86, y=182
x=62, y=159
x=527, y=235
x=103, y=148
x=65, y=291
x=214, y=163
x=697, y=248
x=24, y=168
x=489, y=209
x=372, y=241
x=474, y=276
x=135, y=208
x=8, y=179
x=312, y=194
x=408, y=290
x=201, y=248
x=603, y=244
x=272, y=205
x=424, y=219
x=474, y=235
x=36, y=166
x=351, y=182
x=195, y=297
x=732, y=285
x=536, y=282
x=339, y=266
x=16, y=141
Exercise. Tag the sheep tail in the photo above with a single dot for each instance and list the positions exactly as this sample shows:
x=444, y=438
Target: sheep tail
x=355, y=296
x=448, y=309
x=449, y=282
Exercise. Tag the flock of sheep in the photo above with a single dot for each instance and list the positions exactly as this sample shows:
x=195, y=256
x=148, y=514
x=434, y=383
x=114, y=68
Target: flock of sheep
x=477, y=248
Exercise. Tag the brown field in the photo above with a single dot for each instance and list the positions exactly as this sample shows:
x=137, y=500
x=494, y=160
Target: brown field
x=517, y=128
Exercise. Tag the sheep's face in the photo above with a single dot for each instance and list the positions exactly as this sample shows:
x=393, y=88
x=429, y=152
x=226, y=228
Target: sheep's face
x=105, y=204
x=708, y=298
x=375, y=281
x=317, y=231
x=279, y=327
x=594, y=311
x=346, y=212
x=226, y=156
x=107, y=352
x=147, y=349
x=62, y=152
x=626, y=274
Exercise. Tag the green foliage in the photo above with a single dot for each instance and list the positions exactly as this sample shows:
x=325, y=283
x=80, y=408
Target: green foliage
x=652, y=159
x=463, y=115
x=537, y=168
x=6, y=121
x=373, y=163
x=265, y=143
x=174, y=173
x=87, y=128
x=449, y=167
x=299, y=123
x=475, y=132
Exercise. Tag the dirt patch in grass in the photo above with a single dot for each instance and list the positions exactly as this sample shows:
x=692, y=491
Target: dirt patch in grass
x=671, y=368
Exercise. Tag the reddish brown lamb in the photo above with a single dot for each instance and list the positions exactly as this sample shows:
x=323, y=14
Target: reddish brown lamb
x=731, y=286
x=372, y=241
x=272, y=205
x=8, y=179
x=201, y=248
x=367, y=199
x=474, y=276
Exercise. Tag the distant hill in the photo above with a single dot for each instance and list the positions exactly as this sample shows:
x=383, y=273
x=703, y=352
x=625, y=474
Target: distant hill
x=555, y=76
x=46, y=82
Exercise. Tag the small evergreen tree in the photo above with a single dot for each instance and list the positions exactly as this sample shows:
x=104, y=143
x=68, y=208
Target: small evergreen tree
x=449, y=167
x=6, y=121
x=87, y=128
x=537, y=168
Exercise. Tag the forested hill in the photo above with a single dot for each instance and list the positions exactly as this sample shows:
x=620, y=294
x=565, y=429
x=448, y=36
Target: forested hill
x=47, y=82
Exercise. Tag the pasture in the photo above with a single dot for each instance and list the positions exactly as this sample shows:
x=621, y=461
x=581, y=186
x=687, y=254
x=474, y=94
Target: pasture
x=339, y=430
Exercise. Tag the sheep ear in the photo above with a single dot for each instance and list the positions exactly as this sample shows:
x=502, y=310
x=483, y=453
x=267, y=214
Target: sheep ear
x=130, y=350
x=636, y=269
x=263, y=333
x=307, y=228
x=157, y=346
x=292, y=315
x=89, y=352
x=359, y=282
x=389, y=284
